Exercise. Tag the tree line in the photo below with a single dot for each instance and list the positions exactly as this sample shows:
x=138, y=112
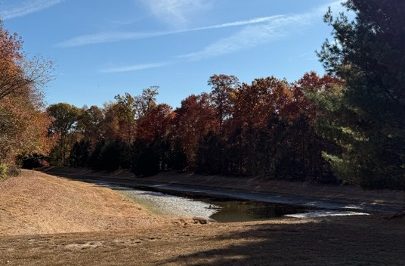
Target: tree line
x=347, y=126
x=265, y=128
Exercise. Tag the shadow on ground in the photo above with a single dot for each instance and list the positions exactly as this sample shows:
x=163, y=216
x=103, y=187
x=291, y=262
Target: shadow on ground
x=337, y=241
x=342, y=241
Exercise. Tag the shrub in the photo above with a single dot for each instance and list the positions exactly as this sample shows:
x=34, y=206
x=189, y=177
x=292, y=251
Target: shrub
x=3, y=171
x=32, y=161
x=14, y=171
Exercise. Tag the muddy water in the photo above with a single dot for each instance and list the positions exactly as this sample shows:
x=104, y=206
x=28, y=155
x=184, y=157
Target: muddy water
x=209, y=208
x=239, y=211
x=221, y=210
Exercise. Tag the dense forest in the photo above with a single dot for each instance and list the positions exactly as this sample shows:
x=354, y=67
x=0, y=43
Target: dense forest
x=346, y=126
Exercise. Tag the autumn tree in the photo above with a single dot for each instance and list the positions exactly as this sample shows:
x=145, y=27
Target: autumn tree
x=89, y=124
x=222, y=88
x=155, y=123
x=194, y=119
x=120, y=118
x=65, y=117
x=23, y=126
x=146, y=101
x=23, y=122
x=152, y=148
x=17, y=73
x=120, y=121
x=254, y=106
x=314, y=99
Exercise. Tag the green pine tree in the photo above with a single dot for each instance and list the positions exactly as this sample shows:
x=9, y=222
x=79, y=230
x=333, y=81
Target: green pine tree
x=366, y=118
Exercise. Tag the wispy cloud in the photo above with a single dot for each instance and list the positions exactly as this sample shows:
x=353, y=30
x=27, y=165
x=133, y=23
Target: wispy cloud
x=265, y=30
x=255, y=32
x=27, y=7
x=176, y=12
x=253, y=35
x=250, y=36
x=132, y=68
x=108, y=37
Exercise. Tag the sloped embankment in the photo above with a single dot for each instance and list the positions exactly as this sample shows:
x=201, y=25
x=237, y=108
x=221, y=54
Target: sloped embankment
x=37, y=203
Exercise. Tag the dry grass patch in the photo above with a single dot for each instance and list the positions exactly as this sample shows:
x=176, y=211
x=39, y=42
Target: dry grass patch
x=36, y=203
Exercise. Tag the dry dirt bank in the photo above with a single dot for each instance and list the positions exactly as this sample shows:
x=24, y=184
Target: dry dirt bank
x=37, y=203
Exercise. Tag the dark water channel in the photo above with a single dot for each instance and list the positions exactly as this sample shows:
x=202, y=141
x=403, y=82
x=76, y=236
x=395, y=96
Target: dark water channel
x=241, y=211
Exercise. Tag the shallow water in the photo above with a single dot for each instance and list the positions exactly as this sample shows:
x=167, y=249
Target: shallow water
x=326, y=213
x=208, y=208
x=222, y=210
x=239, y=211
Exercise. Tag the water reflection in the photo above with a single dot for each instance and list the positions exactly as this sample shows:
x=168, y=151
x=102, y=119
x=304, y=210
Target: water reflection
x=240, y=211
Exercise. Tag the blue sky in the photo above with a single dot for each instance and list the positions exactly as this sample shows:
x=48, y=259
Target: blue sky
x=101, y=48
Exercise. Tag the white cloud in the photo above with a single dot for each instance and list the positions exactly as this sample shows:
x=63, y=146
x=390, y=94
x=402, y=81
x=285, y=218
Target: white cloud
x=255, y=32
x=133, y=68
x=176, y=12
x=104, y=37
x=108, y=37
x=262, y=33
x=250, y=36
x=27, y=7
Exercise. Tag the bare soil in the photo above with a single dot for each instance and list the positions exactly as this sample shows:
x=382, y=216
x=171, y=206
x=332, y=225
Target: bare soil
x=338, y=241
x=37, y=203
x=45, y=220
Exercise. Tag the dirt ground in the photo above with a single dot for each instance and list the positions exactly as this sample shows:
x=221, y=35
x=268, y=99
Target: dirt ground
x=45, y=220
x=337, y=241
x=37, y=203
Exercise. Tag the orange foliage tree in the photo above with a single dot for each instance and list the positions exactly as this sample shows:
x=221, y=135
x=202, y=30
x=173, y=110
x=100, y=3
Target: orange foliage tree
x=23, y=121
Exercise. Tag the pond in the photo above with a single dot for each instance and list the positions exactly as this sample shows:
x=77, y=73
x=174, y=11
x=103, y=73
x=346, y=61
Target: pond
x=241, y=211
x=188, y=205
x=219, y=210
